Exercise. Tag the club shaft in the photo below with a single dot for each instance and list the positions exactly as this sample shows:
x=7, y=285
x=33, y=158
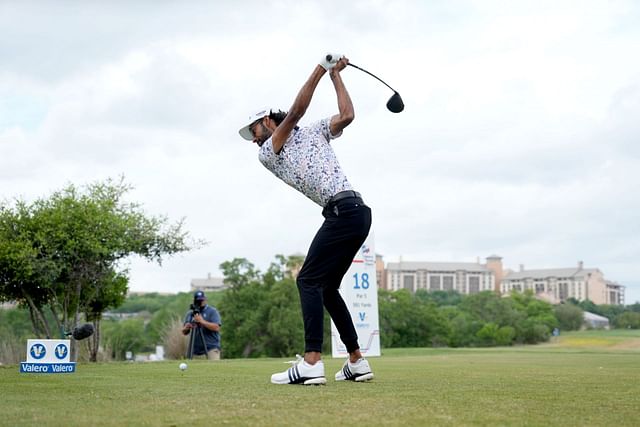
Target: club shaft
x=372, y=75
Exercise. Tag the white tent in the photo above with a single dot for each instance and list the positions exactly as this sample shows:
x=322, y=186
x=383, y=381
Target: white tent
x=592, y=320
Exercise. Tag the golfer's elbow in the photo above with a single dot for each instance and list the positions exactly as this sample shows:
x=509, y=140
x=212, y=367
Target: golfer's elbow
x=348, y=117
x=345, y=119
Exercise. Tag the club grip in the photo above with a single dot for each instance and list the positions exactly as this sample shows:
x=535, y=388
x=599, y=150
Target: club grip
x=329, y=57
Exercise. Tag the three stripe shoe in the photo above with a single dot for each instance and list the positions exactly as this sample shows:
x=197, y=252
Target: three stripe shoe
x=358, y=371
x=301, y=373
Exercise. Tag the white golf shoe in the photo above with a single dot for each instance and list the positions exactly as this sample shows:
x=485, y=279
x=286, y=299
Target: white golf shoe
x=301, y=373
x=359, y=371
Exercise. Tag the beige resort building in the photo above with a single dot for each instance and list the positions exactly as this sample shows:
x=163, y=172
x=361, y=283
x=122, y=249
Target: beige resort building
x=559, y=284
x=554, y=285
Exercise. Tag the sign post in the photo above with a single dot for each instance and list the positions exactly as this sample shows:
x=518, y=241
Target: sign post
x=360, y=293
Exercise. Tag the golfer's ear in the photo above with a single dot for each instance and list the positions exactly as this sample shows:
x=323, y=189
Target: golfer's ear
x=269, y=119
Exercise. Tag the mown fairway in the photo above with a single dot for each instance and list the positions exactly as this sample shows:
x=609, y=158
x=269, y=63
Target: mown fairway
x=588, y=378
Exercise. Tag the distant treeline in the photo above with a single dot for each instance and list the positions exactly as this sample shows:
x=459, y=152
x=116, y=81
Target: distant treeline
x=261, y=317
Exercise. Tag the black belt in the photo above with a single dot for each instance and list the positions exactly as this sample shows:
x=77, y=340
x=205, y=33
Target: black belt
x=344, y=195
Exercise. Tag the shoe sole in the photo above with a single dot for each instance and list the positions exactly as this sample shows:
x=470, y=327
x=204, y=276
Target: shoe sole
x=365, y=377
x=315, y=381
x=310, y=381
x=360, y=378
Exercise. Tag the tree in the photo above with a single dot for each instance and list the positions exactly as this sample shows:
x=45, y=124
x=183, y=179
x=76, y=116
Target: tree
x=628, y=320
x=261, y=311
x=123, y=336
x=570, y=317
x=488, y=334
x=590, y=306
x=488, y=306
x=440, y=298
x=407, y=320
x=463, y=326
x=611, y=311
x=63, y=254
x=241, y=308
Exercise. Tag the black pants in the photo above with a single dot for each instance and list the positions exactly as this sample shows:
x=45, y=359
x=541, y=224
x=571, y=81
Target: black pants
x=345, y=228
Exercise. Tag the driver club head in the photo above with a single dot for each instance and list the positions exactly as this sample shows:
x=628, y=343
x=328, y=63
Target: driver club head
x=395, y=104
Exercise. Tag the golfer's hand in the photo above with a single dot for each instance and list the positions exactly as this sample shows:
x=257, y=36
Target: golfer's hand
x=329, y=60
x=340, y=65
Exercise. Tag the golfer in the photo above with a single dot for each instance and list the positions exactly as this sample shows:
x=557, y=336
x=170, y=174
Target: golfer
x=303, y=158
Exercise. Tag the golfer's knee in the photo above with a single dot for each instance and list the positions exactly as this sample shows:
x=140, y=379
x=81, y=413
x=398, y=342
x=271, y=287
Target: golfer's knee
x=303, y=281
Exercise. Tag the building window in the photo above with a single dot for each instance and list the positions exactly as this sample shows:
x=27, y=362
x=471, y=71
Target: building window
x=434, y=283
x=474, y=284
x=408, y=282
x=563, y=291
x=613, y=298
x=447, y=283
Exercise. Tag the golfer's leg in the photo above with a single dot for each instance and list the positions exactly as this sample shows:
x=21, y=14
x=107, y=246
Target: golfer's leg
x=341, y=317
x=310, y=283
x=312, y=315
x=349, y=236
x=328, y=259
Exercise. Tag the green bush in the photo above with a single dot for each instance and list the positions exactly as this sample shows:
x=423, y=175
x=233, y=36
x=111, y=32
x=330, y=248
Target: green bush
x=123, y=336
x=628, y=320
x=505, y=335
x=488, y=334
x=570, y=317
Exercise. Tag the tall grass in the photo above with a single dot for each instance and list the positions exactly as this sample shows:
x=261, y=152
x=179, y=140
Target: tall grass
x=174, y=342
x=12, y=350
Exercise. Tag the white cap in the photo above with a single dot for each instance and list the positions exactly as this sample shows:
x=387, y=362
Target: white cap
x=245, y=132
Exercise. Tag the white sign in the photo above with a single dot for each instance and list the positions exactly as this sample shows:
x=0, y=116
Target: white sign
x=48, y=357
x=360, y=292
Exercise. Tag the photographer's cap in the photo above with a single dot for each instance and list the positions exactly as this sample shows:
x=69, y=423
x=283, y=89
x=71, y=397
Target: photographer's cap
x=199, y=296
x=245, y=132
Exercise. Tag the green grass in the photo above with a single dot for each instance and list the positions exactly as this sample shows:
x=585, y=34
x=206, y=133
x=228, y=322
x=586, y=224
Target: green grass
x=594, y=382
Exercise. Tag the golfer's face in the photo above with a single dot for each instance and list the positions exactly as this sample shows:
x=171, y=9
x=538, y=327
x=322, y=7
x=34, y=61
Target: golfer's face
x=260, y=132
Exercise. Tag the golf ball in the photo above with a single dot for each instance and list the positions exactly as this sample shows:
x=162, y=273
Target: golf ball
x=183, y=366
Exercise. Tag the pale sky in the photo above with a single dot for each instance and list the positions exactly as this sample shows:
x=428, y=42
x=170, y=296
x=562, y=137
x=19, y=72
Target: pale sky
x=517, y=138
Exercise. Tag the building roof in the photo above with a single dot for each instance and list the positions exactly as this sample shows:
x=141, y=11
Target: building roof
x=592, y=316
x=611, y=284
x=210, y=283
x=437, y=266
x=550, y=272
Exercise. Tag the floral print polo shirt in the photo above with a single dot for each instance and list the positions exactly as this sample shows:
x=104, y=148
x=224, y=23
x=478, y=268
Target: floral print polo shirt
x=307, y=162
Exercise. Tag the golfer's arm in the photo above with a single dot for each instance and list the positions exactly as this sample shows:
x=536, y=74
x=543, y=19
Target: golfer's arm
x=345, y=106
x=297, y=110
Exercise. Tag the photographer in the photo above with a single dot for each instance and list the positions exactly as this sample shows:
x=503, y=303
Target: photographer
x=203, y=321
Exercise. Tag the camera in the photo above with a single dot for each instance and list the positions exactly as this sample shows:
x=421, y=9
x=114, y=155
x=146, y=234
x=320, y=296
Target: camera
x=195, y=309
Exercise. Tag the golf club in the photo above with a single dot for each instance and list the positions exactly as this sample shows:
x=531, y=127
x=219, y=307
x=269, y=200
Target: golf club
x=394, y=104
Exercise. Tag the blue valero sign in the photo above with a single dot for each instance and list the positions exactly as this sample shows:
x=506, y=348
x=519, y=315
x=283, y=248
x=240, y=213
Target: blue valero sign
x=48, y=357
